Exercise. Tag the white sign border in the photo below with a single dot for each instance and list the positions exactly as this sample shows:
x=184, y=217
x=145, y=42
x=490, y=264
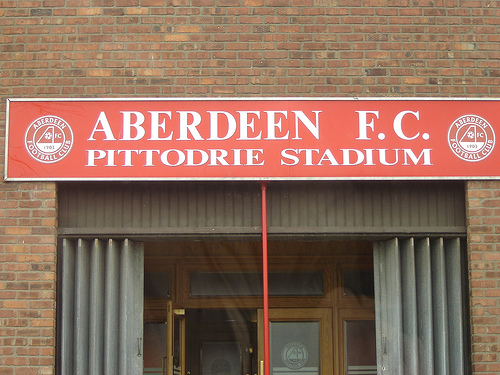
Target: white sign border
x=255, y=179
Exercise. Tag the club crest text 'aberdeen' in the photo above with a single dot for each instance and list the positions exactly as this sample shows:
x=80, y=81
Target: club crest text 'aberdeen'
x=49, y=139
x=471, y=138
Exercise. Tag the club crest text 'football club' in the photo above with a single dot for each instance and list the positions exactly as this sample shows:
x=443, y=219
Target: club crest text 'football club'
x=48, y=139
x=471, y=138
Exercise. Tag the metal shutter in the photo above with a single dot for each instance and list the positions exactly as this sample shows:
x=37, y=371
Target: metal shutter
x=101, y=313
x=420, y=307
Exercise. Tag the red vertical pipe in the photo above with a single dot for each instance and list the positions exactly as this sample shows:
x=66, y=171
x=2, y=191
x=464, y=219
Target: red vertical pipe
x=265, y=283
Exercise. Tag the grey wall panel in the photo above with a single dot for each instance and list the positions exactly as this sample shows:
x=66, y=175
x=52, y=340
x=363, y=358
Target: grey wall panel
x=111, y=308
x=456, y=300
x=67, y=306
x=424, y=298
x=152, y=209
x=367, y=207
x=81, y=296
x=131, y=299
x=96, y=308
x=101, y=317
x=409, y=306
x=419, y=307
x=388, y=308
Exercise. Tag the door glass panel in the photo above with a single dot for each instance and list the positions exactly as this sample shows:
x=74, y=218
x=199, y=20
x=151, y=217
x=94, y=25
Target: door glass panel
x=360, y=347
x=358, y=283
x=298, y=283
x=178, y=352
x=156, y=284
x=155, y=347
x=222, y=341
x=225, y=284
x=220, y=358
x=295, y=348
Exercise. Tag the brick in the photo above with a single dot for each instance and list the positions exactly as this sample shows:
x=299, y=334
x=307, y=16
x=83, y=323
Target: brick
x=245, y=48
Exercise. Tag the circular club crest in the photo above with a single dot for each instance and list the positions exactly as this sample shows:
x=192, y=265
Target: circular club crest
x=294, y=355
x=48, y=139
x=471, y=138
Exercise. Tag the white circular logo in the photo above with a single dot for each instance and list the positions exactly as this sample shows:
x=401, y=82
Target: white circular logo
x=294, y=355
x=471, y=138
x=48, y=139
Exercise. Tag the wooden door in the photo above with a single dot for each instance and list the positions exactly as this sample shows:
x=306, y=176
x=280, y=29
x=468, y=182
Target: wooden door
x=176, y=341
x=301, y=341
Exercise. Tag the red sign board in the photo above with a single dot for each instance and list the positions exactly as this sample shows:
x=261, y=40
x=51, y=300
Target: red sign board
x=206, y=139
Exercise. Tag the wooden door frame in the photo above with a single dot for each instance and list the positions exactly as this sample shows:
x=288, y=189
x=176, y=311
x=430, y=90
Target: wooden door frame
x=344, y=315
x=324, y=315
x=173, y=313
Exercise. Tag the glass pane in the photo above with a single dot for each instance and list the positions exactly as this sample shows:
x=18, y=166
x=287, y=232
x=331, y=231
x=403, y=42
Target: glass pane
x=360, y=347
x=156, y=284
x=305, y=283
x=178, y=332
x=220, y=358
x=295, y=348
x=155, y=347
x=226, y=284
x=358, y=283
x=221, y=342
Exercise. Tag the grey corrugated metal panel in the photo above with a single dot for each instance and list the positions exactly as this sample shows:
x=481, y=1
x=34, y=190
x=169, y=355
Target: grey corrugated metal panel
x=102, y=300
x=160, y=205
x=400, y=206
x=111, y=307
x=433, y=329
x=379, y=232
x=380, y=305
x=298, y=207
x=96, y=306
x=82, y=300
x=131, y=307
x=456, y=300
x=410, y=323
x=440, y=298
x=388, y=307
x=395, y=336
x=425, y=318
x=67, y=303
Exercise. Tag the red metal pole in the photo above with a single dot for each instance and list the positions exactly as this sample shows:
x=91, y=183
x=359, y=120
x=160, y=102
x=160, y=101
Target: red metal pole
x=263, y=186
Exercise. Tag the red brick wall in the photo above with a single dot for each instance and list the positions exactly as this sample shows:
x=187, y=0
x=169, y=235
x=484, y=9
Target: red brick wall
x=27, y=277
x=483, y=212
x=102, y=48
